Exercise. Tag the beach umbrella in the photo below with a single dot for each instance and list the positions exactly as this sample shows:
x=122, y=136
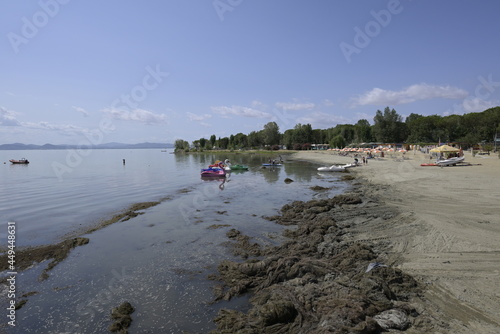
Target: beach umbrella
x=444, y=149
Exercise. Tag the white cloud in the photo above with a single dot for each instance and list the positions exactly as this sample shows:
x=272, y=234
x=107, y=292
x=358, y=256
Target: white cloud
x=294, y=106
x=240, y=111
x=8, y=118
x=83, y=111
x=478, y=105
x=258, y=105
x=322, y=120
x=199, y=118
x=52, y=127
x=136, y=115
x=410, y=94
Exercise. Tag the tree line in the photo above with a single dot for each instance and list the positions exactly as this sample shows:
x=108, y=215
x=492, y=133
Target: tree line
x=388, y=127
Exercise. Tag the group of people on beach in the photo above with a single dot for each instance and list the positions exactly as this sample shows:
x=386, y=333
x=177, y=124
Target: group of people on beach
x=363, y=159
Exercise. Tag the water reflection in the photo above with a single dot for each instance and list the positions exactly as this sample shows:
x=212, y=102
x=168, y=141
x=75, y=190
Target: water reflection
x=222, y=180
x=299, y=171
x=271, y=174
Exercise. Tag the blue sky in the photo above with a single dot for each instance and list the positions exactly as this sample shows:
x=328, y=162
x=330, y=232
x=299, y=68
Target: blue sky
x=134, y=71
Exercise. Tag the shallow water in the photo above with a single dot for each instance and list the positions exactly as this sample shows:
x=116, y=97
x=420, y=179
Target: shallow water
x=158, y=261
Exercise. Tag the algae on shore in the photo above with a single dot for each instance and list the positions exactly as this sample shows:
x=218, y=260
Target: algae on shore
x=316, y=282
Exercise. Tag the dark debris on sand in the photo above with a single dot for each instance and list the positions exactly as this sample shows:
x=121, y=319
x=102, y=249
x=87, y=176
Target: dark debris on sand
x=316, y=282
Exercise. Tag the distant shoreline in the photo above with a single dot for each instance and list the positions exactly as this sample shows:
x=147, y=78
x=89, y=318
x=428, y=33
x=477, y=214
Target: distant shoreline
x=22, y=147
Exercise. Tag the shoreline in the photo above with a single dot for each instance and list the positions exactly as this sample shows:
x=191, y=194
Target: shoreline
x=389, y=227
x=448, y=232
x=319, y=280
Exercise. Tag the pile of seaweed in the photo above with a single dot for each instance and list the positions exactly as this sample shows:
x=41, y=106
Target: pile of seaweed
x=318, y=281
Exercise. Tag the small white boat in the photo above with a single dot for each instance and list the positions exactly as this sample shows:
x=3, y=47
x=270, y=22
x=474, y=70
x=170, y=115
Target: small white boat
x=450, y=162
x=335, y=168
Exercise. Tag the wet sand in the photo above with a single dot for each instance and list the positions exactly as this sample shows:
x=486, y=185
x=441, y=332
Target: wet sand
x=446, y=234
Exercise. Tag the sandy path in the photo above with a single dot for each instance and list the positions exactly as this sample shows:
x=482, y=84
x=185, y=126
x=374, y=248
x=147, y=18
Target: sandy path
x=448, y=232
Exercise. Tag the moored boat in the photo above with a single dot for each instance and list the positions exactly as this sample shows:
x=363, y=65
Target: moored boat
x=239, y=167
x=213, y=172
x=22, y=161
x=450, y=162
x=336, y=168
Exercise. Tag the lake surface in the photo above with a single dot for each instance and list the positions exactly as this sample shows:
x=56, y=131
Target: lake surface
x=158, y=261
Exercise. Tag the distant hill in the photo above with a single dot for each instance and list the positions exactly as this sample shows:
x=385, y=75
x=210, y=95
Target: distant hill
x=20, y=146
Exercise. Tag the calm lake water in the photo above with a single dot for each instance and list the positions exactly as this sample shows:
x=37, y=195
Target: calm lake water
x=158, y=261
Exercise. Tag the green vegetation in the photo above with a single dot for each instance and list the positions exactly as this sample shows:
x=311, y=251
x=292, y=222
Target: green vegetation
x=388, y=127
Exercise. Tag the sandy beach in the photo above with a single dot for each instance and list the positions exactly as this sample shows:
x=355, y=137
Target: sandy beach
x=446, y=234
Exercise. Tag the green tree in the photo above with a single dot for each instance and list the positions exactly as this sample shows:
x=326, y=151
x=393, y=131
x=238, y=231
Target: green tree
x=338, y=142
x=288, y=139
x=426, y=129
x=223, y=143
x=240, y=140
x=203, y=143
x=389, y=127
x=271, y=134
x=181, y=145
x=363, y=131
x=302, y=134
x=255, y=139
x=213, y=139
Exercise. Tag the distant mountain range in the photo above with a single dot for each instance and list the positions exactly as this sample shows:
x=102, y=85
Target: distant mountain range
x=19, y=146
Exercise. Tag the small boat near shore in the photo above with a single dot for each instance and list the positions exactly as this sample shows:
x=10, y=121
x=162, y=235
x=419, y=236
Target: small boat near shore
x=450, y=162
x=335, y=168
x=238, y=167
x=22, y=161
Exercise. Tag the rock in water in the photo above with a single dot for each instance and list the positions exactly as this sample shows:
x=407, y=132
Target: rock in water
x=122, y=317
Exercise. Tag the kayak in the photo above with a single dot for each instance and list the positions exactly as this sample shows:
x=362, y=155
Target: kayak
x=270, y=165
x=239, y=167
